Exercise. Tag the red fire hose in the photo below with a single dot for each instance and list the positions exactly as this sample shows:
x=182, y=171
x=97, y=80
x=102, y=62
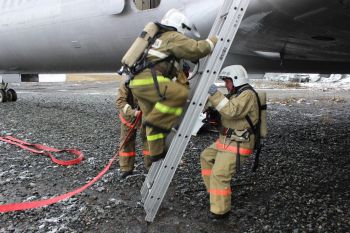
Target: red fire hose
x=46, y=151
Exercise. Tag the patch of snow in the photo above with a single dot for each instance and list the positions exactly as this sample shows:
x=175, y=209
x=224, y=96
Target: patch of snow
x=52, y=220
x=53, y=230
x=3, y=173
x=313, y=81
x=314, y=77
x=332, y=79
x=346, y=79
x=52, y=77
x=31, y=198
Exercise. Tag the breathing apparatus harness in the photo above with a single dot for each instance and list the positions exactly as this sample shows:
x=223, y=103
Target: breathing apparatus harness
x=143, y=63
x=255, y=128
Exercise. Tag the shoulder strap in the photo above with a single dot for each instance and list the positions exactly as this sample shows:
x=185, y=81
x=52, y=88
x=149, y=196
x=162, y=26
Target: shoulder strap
x=156, y=84
x=244, y=88
x=256, y=128
x=250, y=122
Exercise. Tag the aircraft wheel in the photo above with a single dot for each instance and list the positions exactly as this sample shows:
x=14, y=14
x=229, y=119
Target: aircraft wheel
x=3, y=96
x=11, y=95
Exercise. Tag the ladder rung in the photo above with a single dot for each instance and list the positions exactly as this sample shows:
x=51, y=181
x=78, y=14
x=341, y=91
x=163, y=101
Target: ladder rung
x=224, y=15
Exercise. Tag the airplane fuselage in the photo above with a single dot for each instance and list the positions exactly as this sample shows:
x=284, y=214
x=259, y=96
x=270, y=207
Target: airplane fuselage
x=71, y=35
x=92, y=35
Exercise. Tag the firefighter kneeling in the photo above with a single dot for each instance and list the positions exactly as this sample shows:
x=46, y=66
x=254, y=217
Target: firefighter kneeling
x=237, y=137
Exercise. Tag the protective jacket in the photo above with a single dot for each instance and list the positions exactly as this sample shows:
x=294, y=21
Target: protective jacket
x=160, y=99
x=235, y=143
x=127, y=106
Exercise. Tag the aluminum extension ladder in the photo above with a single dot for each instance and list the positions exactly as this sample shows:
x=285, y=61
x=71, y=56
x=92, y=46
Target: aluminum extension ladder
x=161, y=173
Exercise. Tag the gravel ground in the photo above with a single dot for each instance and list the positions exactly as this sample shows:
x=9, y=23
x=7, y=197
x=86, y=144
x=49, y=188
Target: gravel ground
x=302, y=184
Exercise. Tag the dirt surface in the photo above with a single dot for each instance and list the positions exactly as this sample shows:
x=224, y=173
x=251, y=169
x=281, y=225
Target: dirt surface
x=302, y=184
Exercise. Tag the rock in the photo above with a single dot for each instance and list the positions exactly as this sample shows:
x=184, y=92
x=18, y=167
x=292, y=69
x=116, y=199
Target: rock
x=266, y=227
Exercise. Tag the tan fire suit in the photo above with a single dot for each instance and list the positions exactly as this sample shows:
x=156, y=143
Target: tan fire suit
x=126, y=104
x=161, y=114
x=218, y=162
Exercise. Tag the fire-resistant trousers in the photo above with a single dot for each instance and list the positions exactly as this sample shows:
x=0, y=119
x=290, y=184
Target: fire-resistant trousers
x=159, y=115
x=127, y=153
x=218, y=164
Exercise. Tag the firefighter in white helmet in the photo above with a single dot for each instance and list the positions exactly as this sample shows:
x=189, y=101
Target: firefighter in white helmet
x=161, y=100
x=236, y=141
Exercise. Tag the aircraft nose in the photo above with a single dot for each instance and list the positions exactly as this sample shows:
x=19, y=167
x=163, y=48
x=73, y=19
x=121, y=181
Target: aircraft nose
x=202, y=14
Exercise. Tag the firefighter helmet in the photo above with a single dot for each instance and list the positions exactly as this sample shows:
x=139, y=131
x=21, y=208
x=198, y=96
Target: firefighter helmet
x=236, y=73
x=175, y=18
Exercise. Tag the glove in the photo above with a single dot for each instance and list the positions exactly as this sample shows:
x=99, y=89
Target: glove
x=136, y=113
x=213, y=89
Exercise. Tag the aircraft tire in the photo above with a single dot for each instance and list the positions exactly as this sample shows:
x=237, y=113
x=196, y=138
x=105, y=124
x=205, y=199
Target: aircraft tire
x=3, y=96
x=11, y=95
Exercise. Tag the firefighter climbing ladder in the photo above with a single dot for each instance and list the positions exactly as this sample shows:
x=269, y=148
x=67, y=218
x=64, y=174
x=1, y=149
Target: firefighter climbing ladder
x=161, y=173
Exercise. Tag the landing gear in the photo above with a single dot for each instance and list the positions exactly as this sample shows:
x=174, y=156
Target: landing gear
x=7, y=94
x=11, y=95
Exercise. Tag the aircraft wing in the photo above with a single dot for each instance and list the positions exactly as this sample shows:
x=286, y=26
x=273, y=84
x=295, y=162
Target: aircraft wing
x=295, y=36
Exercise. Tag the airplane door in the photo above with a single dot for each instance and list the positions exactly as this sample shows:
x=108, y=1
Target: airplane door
x=113, y=6
x=146, y=4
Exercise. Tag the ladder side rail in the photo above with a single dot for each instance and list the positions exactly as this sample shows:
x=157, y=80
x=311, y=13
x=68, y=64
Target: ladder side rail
x=217, y=26
x=149, y=180
x=216, y=61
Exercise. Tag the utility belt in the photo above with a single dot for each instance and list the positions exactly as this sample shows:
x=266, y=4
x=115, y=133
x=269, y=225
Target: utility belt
x=237, y=135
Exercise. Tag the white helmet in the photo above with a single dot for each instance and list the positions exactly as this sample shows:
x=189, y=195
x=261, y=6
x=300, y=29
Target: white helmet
x=237, y=73
x=175, y=18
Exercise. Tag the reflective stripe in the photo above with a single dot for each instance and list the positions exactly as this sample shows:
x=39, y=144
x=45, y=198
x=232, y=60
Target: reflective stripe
x=124, y=121
x=169, y=110
x=206, y=172
x=146, y=153
x=233, y=149
x=148, y=81
x=126, y=108
x=220, y=192
x=211, y=44
x=155, y=137
x=222, y=104
x=127, y=154
x=157, y=54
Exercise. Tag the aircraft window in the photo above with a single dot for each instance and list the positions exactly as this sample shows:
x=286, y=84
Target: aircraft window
x=146, y=4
